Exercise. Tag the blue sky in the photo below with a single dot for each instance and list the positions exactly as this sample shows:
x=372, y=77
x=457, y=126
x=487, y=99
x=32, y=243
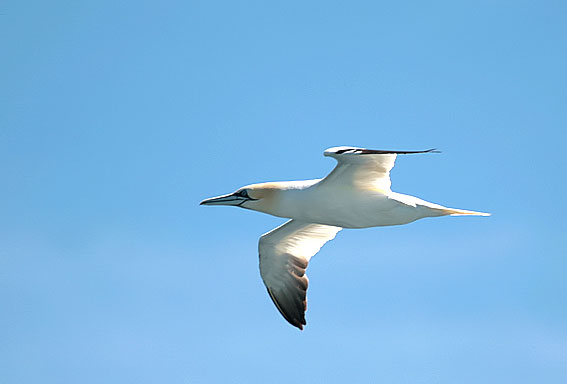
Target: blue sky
x=118, y=117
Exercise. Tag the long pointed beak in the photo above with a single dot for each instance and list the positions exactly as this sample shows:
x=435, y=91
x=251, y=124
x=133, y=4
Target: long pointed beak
x=229, y=199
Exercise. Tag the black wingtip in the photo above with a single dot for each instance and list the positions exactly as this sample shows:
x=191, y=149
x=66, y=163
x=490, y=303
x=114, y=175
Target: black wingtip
x=431, y=150
x=363, y=151
x=296, y=321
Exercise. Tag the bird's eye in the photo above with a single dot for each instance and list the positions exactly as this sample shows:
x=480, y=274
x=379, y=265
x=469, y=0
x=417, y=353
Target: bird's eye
x=243, y=193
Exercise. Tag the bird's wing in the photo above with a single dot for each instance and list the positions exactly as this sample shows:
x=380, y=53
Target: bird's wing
x=363, y=168
x=284, y=254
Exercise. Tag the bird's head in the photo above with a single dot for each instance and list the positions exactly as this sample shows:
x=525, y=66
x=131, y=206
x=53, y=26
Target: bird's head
x=258, y=197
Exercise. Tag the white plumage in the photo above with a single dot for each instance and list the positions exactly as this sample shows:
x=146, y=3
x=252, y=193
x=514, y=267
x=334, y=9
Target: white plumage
x=356, y=194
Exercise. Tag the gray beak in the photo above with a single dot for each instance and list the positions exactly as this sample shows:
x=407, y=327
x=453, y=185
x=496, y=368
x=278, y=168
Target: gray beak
x=229, y=199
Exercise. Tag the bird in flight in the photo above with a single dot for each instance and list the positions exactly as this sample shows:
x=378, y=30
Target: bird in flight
x=356, y=194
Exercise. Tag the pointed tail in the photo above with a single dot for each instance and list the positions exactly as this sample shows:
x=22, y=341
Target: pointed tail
x=463, y=212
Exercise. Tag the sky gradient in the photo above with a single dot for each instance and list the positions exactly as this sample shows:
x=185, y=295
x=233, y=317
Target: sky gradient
x=118, y=117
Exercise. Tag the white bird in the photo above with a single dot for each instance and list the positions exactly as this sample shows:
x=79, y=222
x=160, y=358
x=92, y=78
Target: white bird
x=356, y=194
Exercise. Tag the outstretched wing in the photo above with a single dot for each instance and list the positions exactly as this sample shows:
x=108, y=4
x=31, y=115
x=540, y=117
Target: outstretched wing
x=363, y=168
x=284, y=254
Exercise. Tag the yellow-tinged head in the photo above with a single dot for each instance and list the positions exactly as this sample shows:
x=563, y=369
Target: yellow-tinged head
x=259, y=197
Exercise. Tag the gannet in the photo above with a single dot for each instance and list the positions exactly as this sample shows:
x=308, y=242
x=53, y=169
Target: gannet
x=356, y=194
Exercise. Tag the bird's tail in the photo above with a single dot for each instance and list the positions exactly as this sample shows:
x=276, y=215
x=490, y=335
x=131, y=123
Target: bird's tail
x=463, y=212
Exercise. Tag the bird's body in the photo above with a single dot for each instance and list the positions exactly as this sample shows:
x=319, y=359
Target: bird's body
x=313, y=201
x=356, y=194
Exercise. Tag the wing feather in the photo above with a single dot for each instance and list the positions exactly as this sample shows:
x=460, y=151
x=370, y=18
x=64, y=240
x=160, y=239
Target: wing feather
x=284, y=255
x=364, y=168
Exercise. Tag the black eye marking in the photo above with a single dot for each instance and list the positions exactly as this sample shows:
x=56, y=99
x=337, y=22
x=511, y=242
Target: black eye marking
x=243, y=193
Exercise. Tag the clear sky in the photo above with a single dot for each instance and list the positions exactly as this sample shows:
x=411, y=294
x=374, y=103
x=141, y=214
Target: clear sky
x=118, y=117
